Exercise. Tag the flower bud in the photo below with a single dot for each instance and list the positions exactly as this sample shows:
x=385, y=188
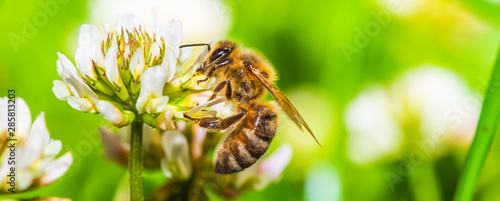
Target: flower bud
x=177, y=161
x=112, y=113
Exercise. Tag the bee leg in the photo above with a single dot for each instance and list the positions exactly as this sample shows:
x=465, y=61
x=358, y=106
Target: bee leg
x=229, y=91
x=218, y=65
x=200, y=81
x=209, y=75
x=216, y=123
x=204, y=105
x=219, y=88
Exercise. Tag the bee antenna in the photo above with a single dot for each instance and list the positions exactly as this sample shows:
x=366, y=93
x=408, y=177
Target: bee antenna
x=196, y=44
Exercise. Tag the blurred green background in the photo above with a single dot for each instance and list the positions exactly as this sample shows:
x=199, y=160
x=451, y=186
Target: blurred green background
x=326, y=53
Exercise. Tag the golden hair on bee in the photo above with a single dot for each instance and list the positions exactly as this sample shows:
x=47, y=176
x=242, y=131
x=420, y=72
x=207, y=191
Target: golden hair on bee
x=243, y=76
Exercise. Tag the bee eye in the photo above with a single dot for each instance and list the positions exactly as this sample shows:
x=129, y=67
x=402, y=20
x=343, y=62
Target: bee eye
x=219, y=53
x=247, y=63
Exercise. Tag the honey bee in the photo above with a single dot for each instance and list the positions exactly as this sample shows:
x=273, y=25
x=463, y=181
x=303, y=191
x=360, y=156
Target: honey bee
x=243, y=76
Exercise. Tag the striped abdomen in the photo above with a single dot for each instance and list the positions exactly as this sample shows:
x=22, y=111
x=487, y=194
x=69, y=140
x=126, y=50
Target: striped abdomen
x=248, y=141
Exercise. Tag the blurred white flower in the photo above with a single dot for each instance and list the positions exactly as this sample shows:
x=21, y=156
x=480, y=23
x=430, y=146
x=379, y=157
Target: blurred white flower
x=323, y=183
x=23, y=120
x=373, y=130
x=274, y=164
x=401, y=8
x=430, y=101
x=115, y=149
x=199, y=135
x=36, y=162
x=200, y=18
x=177, y=161
x=265, y=171
x=438, y=98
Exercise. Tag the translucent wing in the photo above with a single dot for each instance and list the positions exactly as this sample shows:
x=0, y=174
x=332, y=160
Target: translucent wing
x=283, y=102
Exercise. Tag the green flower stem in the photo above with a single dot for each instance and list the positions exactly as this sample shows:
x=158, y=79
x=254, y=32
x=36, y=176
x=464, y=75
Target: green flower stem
x=136, y=161
x=486, y=129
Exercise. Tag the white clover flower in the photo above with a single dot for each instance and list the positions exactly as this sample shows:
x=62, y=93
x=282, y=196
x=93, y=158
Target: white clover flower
x=36, y=162
x=430, y=101
x=130, y=70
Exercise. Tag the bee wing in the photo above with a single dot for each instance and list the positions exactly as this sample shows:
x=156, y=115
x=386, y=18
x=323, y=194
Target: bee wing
x=283, y=102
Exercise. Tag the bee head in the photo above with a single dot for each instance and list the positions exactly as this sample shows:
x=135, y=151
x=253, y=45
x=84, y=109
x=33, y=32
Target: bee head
x=219, y=56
